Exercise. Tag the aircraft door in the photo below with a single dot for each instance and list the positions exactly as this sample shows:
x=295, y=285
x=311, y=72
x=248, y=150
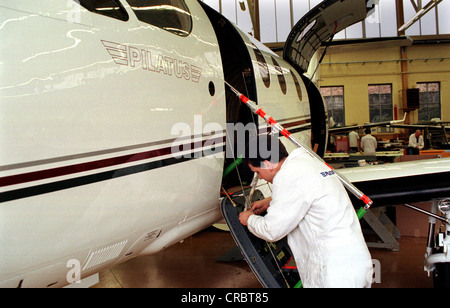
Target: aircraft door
x=238, y=71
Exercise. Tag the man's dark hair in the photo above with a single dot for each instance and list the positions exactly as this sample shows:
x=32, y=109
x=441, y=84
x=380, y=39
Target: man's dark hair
x=367, y=131
x=264, y=147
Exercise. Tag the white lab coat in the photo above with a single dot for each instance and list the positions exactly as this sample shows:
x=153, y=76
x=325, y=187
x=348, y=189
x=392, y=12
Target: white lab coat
x=353, y=138
x=369, y=145
x=311, y=207
x=416, y=142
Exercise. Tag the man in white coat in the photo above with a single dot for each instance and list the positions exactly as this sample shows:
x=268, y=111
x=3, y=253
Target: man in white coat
x=415, y=144
x=310, y=206
x=369, y=143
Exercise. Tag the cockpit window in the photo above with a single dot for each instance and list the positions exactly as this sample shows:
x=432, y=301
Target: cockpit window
x=170, y=15
x=110, y=8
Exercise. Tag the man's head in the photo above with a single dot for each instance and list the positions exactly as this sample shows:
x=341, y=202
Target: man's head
x=418, y=133
x=265, y=156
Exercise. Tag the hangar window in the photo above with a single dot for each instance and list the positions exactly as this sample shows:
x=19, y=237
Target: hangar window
x=334, y=99
x=110, y=8
x=430, y=100
x=170, y=15
x=380, y=103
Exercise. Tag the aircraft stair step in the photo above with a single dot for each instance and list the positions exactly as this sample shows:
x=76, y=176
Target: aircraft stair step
x=380, y=225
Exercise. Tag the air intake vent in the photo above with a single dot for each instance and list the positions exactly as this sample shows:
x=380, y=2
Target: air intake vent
x=104, y=255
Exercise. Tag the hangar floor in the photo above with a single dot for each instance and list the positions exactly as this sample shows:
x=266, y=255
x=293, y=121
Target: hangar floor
x=193, y=264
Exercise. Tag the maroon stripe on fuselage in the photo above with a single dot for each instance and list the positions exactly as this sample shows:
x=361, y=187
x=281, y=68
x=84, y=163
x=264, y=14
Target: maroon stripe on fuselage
x=66, y=170
x=104, y=163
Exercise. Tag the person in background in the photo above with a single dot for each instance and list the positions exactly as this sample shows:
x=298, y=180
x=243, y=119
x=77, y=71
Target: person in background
x=369, y=143
x=415, y=143
x=353, y=138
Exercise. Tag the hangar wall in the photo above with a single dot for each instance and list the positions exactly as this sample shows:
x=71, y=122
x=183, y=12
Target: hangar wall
x=356, y=66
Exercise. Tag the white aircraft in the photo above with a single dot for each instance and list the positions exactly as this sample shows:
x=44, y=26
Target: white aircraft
x=114, y=125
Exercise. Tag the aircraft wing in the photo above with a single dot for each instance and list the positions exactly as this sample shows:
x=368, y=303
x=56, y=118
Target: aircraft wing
x=392, y=184
x=319, y=25
x=394, y=123
x=346, y=129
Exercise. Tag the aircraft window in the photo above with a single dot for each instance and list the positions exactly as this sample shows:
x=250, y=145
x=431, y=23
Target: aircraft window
x=170, y=15
x=110, y=8
x=263, y=67
x=297, y=86
x=280, y=75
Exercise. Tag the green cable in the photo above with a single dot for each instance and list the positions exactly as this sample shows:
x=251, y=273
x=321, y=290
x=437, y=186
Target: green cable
x=361, y=213
x=299, y=285
x=232, y=166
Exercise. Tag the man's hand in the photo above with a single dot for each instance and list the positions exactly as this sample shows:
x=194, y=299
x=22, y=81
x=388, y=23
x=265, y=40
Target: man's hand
x=243, y=217
x=261, y=206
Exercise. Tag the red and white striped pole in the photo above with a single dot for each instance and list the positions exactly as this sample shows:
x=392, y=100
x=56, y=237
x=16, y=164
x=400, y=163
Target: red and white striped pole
x=254, y=108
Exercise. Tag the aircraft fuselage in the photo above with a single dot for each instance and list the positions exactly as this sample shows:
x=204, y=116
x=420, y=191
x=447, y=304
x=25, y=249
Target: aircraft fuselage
x=114, y=134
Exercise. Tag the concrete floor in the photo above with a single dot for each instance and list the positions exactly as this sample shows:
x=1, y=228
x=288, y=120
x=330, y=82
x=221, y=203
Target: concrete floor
x=193, y=264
